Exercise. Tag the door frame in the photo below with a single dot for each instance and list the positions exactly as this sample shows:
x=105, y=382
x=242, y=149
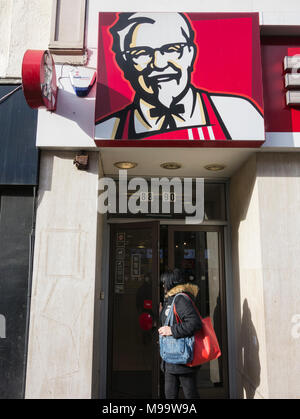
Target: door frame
x=100, y=372
x=155, y=225
x=222, y=284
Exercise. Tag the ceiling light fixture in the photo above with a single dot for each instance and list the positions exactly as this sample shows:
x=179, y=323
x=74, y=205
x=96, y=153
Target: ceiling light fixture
x=171, y=165
x=125, y=165
x=215, y=167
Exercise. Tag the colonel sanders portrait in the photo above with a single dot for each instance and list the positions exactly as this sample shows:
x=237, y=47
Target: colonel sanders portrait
x=157, y=57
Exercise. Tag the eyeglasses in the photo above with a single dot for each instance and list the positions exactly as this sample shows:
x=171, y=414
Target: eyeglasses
x=143, y=55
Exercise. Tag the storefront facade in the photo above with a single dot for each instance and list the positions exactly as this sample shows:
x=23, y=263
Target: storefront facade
x=18, y=185
x=96, y=286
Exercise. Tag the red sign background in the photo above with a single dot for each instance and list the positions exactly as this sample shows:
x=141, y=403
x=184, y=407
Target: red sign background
x=278, y=116
x=228, y=59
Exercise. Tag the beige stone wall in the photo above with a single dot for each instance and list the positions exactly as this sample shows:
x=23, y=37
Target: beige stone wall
x=25, y=24
x=265, y=207
x=63, y=290
x=248, y=283
x=279, y=201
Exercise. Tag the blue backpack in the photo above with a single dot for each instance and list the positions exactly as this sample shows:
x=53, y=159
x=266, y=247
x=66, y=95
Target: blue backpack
x=176, y=351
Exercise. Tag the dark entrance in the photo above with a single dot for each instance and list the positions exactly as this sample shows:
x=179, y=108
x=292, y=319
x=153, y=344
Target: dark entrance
x=140, y=252
x=134, y=290
x=16, y=246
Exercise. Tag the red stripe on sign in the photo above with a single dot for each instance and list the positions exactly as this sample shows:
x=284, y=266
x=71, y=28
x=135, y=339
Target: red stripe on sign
x=218, y=132
x=195, y=134
x=183, y=134
x=205, y=133
x=178, y=143
x=126, y=125
x=217, y=129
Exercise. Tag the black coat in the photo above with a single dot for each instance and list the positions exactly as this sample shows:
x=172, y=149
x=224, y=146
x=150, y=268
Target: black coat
x=190, y=321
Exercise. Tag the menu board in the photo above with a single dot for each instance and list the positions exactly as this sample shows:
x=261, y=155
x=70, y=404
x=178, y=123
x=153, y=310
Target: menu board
x=120, y=263
x=136, y=265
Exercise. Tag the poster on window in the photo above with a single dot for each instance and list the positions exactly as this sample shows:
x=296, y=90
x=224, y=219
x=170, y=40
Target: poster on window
x=135, y=265
x=179, y=76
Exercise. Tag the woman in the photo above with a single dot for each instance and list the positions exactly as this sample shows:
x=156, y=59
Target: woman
x=176, y=374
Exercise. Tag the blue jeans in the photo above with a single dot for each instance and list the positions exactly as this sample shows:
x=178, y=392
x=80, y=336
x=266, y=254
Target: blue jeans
x=187, y=381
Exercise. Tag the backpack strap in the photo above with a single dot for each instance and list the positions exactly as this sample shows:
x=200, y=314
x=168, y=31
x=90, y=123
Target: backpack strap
x=170, y=318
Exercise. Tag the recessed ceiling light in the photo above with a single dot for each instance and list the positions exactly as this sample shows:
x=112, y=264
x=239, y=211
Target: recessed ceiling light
x=214, y=167
x=171, y=166
x=125, y=165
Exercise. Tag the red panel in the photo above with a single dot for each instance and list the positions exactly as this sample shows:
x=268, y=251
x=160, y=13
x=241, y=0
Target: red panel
x=196, y=135
x=278, y=116
x=178, y=143
x=217, y=71
x=223, y=62
x=34, y=76
x=228, y=61
x=31, y=78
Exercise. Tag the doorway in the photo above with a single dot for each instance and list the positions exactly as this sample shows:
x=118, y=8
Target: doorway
x=139, y=253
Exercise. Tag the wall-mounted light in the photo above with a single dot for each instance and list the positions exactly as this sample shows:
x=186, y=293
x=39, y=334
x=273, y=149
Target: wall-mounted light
x=215, y=167
x=125, y=165
x=81, y=161
x=170, y=166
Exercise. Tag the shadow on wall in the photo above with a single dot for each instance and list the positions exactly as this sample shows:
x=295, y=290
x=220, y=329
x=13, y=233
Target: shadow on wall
x=250, y=354
x=246, y=345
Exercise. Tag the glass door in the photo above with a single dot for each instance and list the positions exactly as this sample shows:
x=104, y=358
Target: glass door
x=133, y=362
x=198, y=252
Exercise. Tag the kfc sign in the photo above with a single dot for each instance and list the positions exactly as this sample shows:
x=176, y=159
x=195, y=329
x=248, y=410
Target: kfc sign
x=179, y=76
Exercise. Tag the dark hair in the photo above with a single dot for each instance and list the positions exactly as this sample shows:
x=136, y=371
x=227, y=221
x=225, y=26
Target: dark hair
x=172, y=278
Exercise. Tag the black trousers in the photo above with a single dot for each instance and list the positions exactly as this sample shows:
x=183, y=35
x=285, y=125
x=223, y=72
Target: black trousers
x=187, y=381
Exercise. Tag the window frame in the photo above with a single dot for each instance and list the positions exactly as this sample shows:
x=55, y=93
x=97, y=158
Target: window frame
x=63, y=45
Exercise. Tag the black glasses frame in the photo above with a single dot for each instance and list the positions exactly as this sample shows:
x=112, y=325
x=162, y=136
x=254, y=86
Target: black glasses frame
x=151, y=51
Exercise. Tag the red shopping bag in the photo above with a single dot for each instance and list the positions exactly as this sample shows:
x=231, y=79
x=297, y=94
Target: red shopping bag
x=206, y=346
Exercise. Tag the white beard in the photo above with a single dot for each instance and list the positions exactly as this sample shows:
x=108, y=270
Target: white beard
x=168, y=91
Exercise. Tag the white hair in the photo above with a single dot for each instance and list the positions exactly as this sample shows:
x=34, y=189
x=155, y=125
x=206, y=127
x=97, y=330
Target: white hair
x=128, y=21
